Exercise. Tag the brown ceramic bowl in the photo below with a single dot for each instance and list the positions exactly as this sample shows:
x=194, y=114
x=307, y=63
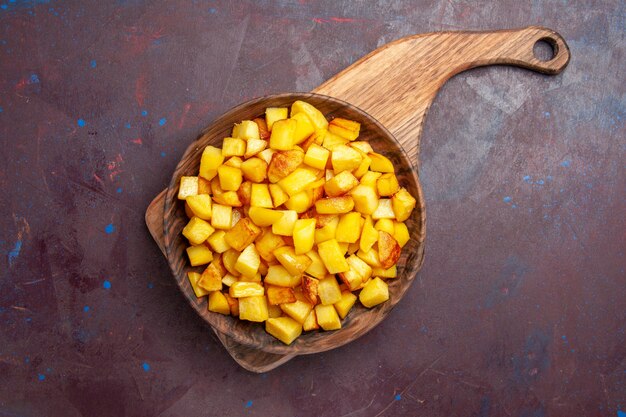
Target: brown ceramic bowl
x=360, y=320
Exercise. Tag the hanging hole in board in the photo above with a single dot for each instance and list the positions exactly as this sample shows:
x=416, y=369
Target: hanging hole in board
x=545, y=49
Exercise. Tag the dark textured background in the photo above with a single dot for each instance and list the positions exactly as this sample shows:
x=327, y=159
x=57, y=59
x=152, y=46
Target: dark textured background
x=519, y=310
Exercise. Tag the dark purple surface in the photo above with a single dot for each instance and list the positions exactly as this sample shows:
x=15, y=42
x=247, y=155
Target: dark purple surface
x=520, y=307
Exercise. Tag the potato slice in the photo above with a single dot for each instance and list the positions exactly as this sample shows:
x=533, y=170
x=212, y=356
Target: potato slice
x=340, y=184
x=349, y=227
x=260, y=196
x=197, y=231
x=272, y=114
x=193, y=280
x=332, y=256
x=328, y=290
x=284, y=226
x=380, y=163
x=284, y=329
x=267, y=244
x=316, y=156
x=310, y=323
x=218, y=303
x=317, y=118
x=246, y=289
x=211, y=159
x=247, y=129
x=199, y=255
x=309, y=288
x=294, y=264
x=387, y=185
x=403, y=204
x=253, y=308
x=248, y=262
x=344, y=158
x=264, y=132
x=304, y=235
x=384, y=210
x=254, y=169
x=279, y=276
x=242, y=234
x=200, y=205
x=233, y=147
x=188, y=187
x=327, y=317
x=279, y=295
x=346, y=303
x=335, y=205
x=298, y=310
x=283, y=133
x=388, y=250
x=376, y=291
x=283, y=164
x=369, y=235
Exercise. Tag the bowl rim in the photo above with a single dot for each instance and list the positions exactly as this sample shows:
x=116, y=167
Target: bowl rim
x=169, y=202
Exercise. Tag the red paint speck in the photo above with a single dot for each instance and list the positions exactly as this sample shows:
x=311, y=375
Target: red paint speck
x=114, y=167
x=333, y=19
x=183, y=116
x=97, y=178
x=140, y=89
x=137, y=141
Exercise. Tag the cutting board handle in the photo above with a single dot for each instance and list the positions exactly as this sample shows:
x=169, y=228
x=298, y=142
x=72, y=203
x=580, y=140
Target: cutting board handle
x=398, y=82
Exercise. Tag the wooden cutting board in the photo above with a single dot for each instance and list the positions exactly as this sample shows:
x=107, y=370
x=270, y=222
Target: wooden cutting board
x=396, y=84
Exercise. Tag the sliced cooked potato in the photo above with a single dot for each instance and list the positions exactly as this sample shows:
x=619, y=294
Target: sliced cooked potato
x=289, y=205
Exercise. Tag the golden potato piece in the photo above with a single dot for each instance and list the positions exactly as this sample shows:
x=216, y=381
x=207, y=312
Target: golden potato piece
x=284, y=329
x=279, y=295
x=388, y=250
x=243, y=234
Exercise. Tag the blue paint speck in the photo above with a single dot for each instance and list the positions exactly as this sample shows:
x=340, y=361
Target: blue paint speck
x=249, y=404
x=145, y=366
x=15, y=252
x=28, y=319
x=4, y=6
x=27, y=360
x=127, y=125
x=566, y=163
x=150, y=285
x=86, y=309
x=1, y=110
x=162, y=121
x=527, y=178
x=34, y=79
x=119, y=190
x=621, y=413
x=513, y=205
x=540, y=182
x=398, y=397
x=109, y=228
x=144, y=113
x=106, y=285
x=41, y=377
x=163, y=154
x=81, y=123
x=93, y=63
x=212, y=10
x=546, y=114
x=507, y=199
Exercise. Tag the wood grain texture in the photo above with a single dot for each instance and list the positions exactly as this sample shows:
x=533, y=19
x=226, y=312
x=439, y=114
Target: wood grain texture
x=396, y=84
